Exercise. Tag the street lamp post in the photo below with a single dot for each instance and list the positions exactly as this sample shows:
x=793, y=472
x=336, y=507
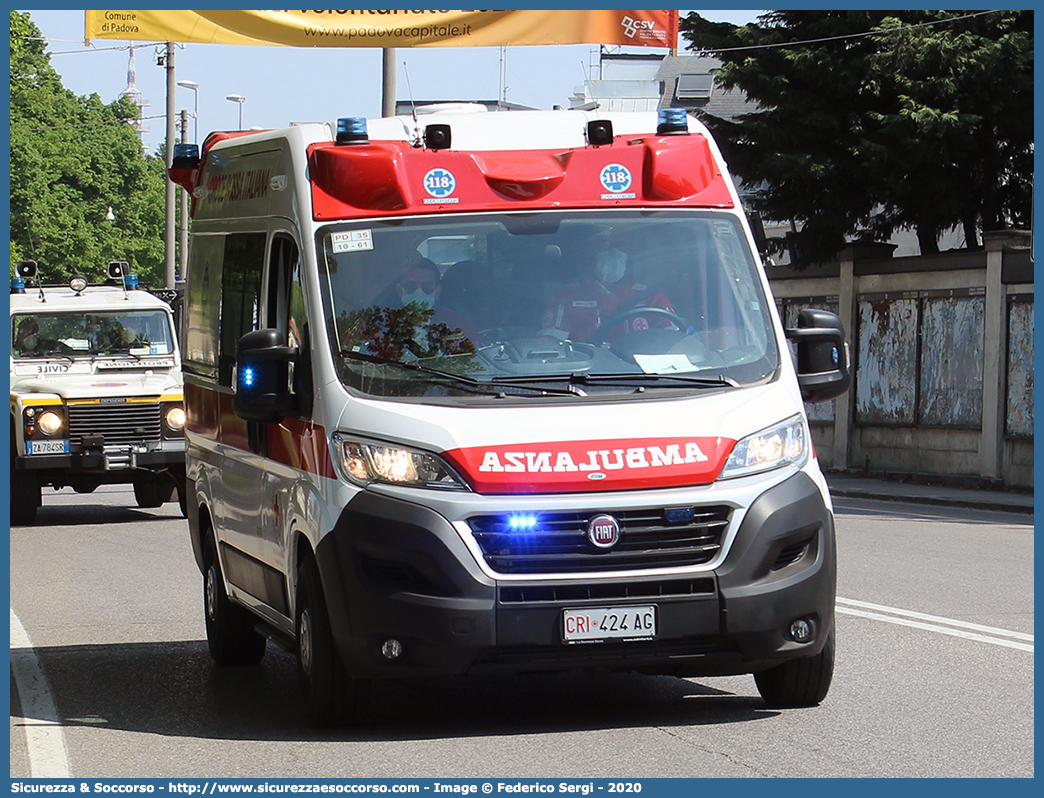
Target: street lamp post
x=108, y=234
x=193, y=87
x=238, y=98
x=183, y=230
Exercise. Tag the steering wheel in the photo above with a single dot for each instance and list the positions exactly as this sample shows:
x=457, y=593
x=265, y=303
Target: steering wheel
x=599, y=334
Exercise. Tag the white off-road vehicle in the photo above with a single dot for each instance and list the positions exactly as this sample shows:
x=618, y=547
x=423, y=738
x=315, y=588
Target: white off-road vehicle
x=96, y=390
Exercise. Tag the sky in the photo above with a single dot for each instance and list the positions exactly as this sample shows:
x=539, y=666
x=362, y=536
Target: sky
x=288, y=84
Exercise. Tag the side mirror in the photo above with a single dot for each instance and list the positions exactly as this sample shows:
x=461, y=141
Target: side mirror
x=757, y=229
x=823, y=368
x=262, y=379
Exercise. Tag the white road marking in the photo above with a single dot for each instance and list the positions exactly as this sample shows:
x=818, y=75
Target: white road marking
x=935, y=623
x=43, y=730
x=868, y=505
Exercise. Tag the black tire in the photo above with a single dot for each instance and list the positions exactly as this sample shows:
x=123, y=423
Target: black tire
x=231, y=636
x=25, y=497
x=153, y=491
x=798, y=682
x=333, y=697
x=177, y=476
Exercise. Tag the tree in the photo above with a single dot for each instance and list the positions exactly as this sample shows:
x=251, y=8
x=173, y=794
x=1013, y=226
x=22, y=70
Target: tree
x=868, y=122
x=71, y=159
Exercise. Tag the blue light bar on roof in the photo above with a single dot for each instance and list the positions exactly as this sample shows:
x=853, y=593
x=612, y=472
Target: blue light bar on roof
x=672, y=122
x=352, y=130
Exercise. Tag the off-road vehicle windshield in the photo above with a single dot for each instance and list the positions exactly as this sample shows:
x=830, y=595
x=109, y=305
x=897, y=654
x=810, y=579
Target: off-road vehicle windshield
x=91, y=334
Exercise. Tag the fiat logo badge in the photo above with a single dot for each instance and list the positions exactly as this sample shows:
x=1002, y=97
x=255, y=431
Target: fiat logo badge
x=603, y=531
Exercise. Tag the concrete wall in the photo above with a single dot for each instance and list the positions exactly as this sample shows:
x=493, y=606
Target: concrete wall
x=942, y=358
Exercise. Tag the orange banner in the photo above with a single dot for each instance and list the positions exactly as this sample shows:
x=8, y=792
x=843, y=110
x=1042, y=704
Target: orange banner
x=368, y=28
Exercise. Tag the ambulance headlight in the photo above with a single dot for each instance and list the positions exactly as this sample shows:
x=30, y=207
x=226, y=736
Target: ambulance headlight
x=785, y=444
x=49, y=423
x=364, y=463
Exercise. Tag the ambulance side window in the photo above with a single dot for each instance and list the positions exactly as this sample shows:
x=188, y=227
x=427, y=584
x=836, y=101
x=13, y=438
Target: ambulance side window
x=240, y=296
x=285, y=311
x=200, y=349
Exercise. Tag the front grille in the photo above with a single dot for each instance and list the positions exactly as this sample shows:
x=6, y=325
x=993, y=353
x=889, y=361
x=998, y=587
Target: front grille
x=558, y=542
x=606, y=591
x=119, y=424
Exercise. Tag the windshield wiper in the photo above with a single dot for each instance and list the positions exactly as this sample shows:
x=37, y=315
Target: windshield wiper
x=476, y=386
x=470, y=382
x=584, y=378
x=119, y=353
x=718, y=381
x=51, y=353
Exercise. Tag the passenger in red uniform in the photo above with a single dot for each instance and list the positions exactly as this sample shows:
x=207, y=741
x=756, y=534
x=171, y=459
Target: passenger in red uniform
x=580, y=310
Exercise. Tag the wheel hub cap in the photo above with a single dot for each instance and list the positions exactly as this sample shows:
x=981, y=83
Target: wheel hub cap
x=305, y=641
x=211, y=592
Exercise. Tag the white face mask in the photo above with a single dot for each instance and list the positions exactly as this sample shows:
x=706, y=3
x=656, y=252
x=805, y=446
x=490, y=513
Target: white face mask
x=610, y=265
x=419, y=297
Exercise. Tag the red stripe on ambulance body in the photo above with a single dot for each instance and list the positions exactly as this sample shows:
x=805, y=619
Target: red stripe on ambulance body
x=581, y=466
x=293, y=442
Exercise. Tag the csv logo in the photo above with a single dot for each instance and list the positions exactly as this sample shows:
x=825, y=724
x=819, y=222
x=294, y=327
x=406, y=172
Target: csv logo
x=632, y=26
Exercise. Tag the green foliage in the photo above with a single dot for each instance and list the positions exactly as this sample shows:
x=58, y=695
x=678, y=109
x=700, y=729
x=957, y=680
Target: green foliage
x=408, y=331
x=71, y=159
x=919, y=126
x=408, y=334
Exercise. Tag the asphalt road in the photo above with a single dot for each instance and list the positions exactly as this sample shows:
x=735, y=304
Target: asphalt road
x=111, y=675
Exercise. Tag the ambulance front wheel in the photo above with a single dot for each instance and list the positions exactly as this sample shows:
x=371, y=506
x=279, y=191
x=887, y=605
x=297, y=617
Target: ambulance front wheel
x=231, y=636
x=798, y=682
x=333, y=697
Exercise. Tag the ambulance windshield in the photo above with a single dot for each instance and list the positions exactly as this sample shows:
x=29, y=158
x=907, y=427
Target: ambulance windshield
x=460, y=304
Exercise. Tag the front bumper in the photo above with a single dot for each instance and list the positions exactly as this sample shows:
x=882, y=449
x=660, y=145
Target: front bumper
x=396, y=570
x=109, y=464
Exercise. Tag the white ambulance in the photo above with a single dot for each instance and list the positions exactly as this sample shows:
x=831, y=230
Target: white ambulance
x=475, y=392
x=96, y=393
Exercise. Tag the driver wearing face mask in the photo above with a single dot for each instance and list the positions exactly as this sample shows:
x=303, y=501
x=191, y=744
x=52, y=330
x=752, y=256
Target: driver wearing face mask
x=419, y=285
x=418, y=288
x=580, y=309
x=28, y=335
